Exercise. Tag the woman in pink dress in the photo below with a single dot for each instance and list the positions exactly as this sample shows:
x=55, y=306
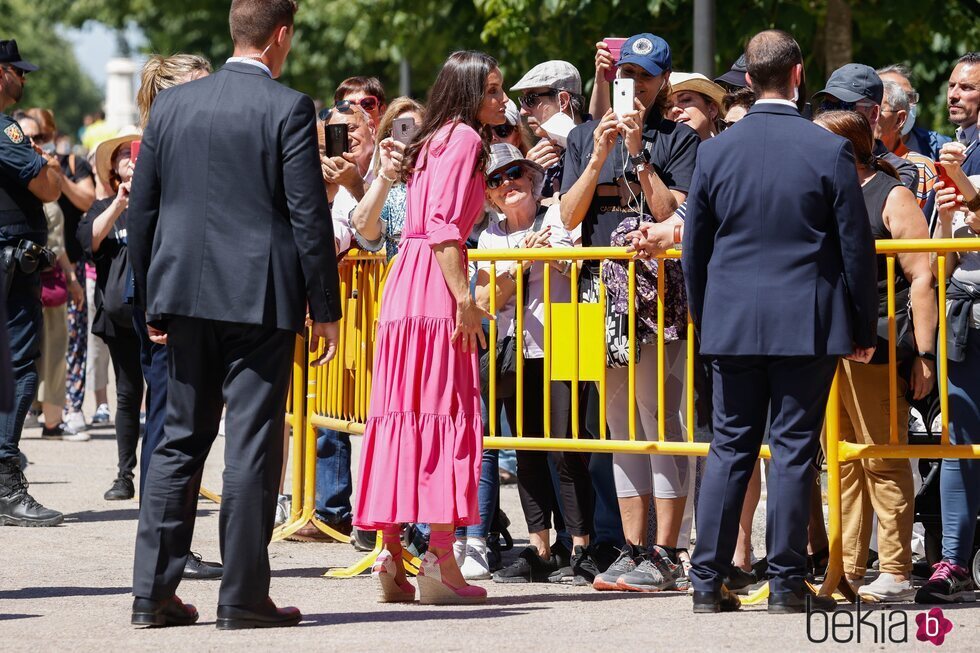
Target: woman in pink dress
x=423, y=443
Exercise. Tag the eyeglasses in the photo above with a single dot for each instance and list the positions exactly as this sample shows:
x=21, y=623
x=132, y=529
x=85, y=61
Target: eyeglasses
x=531, y=100
x=513, y=173
x=503, y=131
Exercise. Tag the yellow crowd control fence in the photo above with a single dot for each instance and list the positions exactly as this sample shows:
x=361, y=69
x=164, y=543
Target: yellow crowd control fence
x=574, y=347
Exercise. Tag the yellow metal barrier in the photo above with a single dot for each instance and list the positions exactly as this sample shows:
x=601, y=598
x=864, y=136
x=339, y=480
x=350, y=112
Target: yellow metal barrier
x=338, y=392
x=839, y=452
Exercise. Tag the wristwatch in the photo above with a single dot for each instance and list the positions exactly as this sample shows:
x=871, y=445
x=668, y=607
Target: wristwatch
x=927, y=355
x=641, y=160
x=974, y=204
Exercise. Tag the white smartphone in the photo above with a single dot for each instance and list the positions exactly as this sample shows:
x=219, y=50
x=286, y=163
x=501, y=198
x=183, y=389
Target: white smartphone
x=622, y=96
x=557, y=128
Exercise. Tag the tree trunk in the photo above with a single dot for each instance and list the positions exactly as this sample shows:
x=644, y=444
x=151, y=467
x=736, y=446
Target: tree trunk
x=837, y=34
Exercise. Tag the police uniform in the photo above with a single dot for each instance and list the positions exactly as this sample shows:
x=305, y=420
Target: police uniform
x=22, y=228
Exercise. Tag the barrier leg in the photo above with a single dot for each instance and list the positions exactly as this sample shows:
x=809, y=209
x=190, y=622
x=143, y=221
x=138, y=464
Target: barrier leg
x=834, y=578
x=209, y=495
x=410, y=562
x=297, y=422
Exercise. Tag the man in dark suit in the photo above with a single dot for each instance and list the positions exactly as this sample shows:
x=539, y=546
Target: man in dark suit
x=963, y=102
x=779, y=268
x=228, y=223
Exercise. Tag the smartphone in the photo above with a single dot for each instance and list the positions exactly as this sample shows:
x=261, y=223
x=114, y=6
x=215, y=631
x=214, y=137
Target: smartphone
x=557, y=128
x=336, y=140
x=615, y=45
x=134, y=151
x=48, y=148
x=623, y=96
x=945, y=178
x=321, y=137
x=403, y=129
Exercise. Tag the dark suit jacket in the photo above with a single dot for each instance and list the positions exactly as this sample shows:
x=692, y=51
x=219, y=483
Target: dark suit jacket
x=228, y=217
x=778, y=254
x=972, y=164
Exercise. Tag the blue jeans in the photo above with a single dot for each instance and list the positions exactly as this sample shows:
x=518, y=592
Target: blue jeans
x=959, y=481
x=333, y=477
x=24, y=322
x=488, y=494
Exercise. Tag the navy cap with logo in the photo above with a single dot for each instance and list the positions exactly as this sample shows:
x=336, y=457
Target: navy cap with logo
x=11, y=56
x=736, y=76
x=854, y=82
x=647, y=51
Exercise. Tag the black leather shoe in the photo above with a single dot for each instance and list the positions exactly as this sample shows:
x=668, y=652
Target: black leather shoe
x=720, y=600
x=168, y=612
x=795, y=603
x=740, y=581
x=264, y=615
x=122, y=490
x=196, y=569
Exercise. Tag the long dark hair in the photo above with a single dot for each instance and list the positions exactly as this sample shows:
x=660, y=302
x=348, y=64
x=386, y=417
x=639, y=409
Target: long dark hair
x=855, y=127
x=455, y=98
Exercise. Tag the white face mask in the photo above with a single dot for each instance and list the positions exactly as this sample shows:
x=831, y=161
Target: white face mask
x=910, y=121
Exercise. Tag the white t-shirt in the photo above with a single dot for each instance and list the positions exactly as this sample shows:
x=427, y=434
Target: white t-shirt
x=496, y=236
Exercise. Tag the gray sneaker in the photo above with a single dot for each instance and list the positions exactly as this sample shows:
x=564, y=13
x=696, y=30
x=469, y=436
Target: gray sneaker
x=624, y=564
x=654, y=573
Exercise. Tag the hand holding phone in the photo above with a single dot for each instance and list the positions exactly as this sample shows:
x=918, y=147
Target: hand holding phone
x=623, y=95
x=403, y=129
x=614, y=46
x=337, y=141
x=943, y=176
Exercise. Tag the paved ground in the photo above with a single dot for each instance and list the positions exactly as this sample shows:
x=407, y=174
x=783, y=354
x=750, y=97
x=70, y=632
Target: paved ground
x=68, y=589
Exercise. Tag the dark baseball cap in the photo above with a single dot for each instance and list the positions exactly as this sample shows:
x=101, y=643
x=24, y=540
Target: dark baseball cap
x=854, y=82
x=648, y=51
x=736, y=76
x=11, y=56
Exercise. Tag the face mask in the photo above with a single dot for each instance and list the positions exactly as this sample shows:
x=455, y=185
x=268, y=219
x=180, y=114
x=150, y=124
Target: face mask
x=910, y=121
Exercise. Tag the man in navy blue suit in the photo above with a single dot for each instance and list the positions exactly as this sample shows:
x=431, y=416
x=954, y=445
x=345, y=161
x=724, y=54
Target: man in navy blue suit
x=779, y=267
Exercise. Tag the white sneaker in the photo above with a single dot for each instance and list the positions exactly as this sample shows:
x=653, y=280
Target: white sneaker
x=886, y=589
x=282, y=509
x=459, y=551
x=475, y=565
x=75, y=422
x=31, y=421
x=102, y=417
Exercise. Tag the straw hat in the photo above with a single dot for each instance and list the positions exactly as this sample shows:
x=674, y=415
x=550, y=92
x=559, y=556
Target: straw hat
x=105, y=150
x=699, y=84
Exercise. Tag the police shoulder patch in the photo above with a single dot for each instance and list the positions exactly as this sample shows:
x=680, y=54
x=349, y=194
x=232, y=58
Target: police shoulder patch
x=14, y=133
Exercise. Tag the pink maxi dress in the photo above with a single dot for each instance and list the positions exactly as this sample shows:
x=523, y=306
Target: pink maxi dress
x=420, y=460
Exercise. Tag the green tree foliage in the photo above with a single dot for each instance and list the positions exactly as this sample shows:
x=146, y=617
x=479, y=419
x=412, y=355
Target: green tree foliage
x=60, y=85
x=336, y=38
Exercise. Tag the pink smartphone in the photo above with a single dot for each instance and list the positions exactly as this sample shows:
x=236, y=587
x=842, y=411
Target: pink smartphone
x=615, y=45
x=134, y=151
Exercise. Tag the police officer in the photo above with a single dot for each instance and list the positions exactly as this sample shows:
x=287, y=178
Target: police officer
x=27, y=180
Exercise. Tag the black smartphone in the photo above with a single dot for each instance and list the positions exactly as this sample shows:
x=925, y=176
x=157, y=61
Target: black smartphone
x=403, y=129
x=336, y=140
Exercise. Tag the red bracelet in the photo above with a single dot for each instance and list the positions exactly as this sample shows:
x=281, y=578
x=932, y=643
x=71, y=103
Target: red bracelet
x=677, y=233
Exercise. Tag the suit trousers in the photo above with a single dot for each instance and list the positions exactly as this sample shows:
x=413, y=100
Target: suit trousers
x=795, y=389
x=213, y=363
x=872, y=486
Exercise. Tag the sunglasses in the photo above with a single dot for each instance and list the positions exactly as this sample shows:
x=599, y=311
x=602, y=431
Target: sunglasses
x=531, y=100
x=503, y=131
x=16, y=71
x=368, y=103
x=513, y=173
x=840, y=105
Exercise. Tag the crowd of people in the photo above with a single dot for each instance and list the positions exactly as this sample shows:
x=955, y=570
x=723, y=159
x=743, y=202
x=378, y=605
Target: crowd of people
x=776, y=217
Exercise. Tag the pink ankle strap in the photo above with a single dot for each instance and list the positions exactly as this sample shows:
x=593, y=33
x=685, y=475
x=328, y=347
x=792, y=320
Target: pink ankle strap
x=442, y=539
x=391, y=535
